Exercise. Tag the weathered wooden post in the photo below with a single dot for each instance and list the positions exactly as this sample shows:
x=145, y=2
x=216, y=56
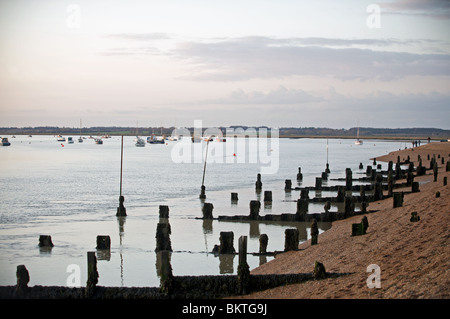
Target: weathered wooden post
x=163, y=211
x=378, y=193
x=103, y=242
x=361, y=166
x=207, y=210
x=318, y=183
x=121, y=210
x=409, y=179
x=340, y=194
x=369, y=170
x=302, y=209
x=415, y=187
x=304, y=194
x=45, y=241
x=258, y=184
x=163, y=237
x=390, y=166
x=23, y=278
x=360, y=228
x=349, y=206
x=299, y=174
x=287, y=185
x=445, y=180
x=255, y=206
x=263, y=241
x=226, y=243
x=267, y=196
x=291, y=239
x=314, y=232
x=398, y=199
x=92, y=276
x=202, y=192
x=447, y=167
x=348, y=179
x=435, y=171
x=243, y=276
x=234, y=197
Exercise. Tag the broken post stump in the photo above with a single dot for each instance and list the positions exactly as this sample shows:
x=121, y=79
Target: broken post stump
x=23, y=278
x=318, y=183
x=255, y=206
x=163, y=211
x=304, y=194
x=207, y=210
x=340, y=194
x=226, y=243
x=45, y=241
x=319, y=271
x=414, y=217
x=267, y=196
x=121, y=210
x=445, y=181
x=103, y=242
x=415, y=187
x=263, y=241
x=348, y=179
x=314, y=232
x=291, y=239
x=163, y=237
x=302, y=208
x=398, y=199
x=287, y=185
x=234, y=197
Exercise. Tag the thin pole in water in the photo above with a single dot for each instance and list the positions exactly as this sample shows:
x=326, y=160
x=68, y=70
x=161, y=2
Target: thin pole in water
x=204, y=167
x=121, y=166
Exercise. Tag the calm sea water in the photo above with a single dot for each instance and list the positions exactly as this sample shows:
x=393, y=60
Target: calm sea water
x=70, y=191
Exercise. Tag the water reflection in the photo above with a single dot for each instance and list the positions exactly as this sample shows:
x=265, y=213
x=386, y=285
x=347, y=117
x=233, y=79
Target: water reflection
x=226, y=263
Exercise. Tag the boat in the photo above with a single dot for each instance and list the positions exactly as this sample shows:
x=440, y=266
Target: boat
x=98, y=141
x=358, y=140
x=70, y=140
x=153, y=139
x=60, y=138
x=5, y=142
x=139, y=142
x=80, y=140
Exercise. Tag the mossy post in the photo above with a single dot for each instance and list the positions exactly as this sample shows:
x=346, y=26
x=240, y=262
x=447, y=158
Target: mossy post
x=166, y=276
x=314, y=232
x=243, y=274
x=92, y=277
x=319, y=271
x=291, y=239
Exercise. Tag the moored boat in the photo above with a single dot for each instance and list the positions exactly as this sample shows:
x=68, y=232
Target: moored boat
x=5, y=142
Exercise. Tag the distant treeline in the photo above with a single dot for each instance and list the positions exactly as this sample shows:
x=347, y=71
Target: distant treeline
x=293, y=132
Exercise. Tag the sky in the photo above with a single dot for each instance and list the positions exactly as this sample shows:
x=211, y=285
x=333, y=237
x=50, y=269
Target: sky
x=284, y=63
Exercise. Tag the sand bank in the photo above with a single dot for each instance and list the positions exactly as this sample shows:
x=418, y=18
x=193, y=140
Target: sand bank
x=413, y=256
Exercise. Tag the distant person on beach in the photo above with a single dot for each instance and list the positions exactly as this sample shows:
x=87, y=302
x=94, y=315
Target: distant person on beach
x=429, y=139
x=419, y=142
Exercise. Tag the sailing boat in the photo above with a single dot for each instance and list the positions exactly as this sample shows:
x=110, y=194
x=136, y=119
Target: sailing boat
x=80, y=140
x=358, y=141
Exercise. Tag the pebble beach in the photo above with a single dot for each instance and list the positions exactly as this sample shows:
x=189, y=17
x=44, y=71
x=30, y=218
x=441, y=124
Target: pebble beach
x=413, y=257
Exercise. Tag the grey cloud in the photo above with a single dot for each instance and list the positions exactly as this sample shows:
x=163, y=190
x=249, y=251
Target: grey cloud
x=439, y=9
x=259, y=57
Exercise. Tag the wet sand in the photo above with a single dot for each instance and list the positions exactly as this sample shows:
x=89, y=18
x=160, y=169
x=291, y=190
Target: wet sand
x=413, y=256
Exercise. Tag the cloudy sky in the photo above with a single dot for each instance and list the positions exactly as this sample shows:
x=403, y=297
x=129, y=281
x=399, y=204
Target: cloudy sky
x=277, y=63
